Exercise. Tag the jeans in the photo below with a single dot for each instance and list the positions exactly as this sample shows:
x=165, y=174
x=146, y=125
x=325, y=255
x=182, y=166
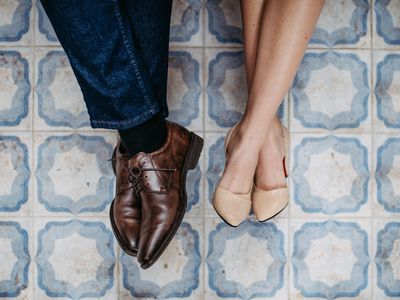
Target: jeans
x=118, y=50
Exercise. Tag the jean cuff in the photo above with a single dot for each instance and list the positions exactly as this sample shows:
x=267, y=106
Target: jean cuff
x=131, y=122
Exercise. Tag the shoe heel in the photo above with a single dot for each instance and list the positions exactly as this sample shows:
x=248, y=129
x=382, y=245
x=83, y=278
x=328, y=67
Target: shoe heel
x=194, y=151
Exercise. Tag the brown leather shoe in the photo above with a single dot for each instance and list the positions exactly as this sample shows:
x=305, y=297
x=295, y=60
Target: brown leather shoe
x=160, y=180
x=126, y=208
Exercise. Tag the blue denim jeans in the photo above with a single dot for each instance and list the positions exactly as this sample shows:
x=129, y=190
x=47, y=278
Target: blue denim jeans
x=118, y=50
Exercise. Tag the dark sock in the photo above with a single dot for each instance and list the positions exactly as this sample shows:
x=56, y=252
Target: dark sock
x=146, y=137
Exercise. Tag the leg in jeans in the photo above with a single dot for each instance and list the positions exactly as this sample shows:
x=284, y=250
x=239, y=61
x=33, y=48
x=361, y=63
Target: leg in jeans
x=118, y=50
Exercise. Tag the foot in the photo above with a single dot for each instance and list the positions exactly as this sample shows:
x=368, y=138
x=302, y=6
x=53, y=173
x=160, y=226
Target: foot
x=240, y=161
x=269, y=174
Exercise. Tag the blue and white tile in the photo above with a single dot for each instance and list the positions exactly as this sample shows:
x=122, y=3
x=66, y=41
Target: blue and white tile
x=44, y=32
x=226, y=89
x=386, y=21
x=73, y=175
x=247, y=262
x=75, y=259
x=16, y=94
x=177, y=274
x=387, y=91
x=195, y=187
x=185, y=82
x=331, y=175
x=187, y=23
x=387, y=176
x=331, y=91
x=59, y=101
x=15, y=175
x=16, y=280
x=223, y=23
x=16, y=22
x=387, y=263
x=343, y=24
x=331, y=259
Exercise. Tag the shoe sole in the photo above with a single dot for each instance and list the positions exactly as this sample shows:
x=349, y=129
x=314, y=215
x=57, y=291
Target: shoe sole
x=121, y=243
x=190, y=163
x=274, y=214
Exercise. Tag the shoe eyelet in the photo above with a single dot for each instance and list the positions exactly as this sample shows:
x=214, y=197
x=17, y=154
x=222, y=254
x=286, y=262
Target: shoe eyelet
x=136, y=171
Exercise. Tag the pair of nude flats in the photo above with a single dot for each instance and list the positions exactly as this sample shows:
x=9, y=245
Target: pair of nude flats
x=234, y=208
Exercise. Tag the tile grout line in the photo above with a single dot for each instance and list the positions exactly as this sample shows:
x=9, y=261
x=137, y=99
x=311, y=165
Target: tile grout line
x=33, y=151
x=373, y=124
x=204, y=194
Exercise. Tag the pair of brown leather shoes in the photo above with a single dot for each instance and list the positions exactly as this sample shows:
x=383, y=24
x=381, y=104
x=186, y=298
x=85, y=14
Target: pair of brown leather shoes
x=151, y=199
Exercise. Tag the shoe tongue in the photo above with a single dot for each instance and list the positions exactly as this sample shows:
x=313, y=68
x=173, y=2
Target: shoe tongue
x=135, y=160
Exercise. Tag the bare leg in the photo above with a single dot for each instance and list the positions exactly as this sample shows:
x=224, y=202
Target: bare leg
x=286, y=27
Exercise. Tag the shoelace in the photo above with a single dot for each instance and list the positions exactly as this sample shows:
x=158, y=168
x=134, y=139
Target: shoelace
x=135, y=178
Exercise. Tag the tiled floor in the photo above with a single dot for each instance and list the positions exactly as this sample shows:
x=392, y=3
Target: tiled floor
x=338, y=239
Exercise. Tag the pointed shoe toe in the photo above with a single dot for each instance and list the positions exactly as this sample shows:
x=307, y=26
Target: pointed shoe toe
x=231, y=207
x=267, y=204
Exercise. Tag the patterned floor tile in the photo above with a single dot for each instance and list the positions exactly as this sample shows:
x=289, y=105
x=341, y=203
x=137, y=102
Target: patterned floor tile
x=387, y=263
x=44, y=32
x=331, y=175
x=16, y=89
x=226, y=89
x=331, y=91
x=331, y=259
x=343, y=24
x=185, y=81
x=16, y=256
x=75, y=259
x=16, y=22
x=15, y=175
x=246, y=262
x=195, y=187
x=386, y=24
x=387, y=90
x=387, y=175
x=177, y=274
x=187, y=23
x=224, y=23
x=59, y=100
x=73, y=174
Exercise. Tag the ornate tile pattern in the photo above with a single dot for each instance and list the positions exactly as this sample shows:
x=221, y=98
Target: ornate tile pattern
x=15, y=88
x=339, y=85
x=15, y=173
x=339, y=238
x=387, y=26
x=342, y=186
x=80, y=157
x=91, y=258
x=226, y=247
x=15, y=20
x=60, y=102
x=343, y=25
x=16, y=259
x=388, y=70
x=386, y=260
x=342, y=245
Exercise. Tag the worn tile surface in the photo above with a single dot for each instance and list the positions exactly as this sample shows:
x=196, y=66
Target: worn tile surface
x=339, y=238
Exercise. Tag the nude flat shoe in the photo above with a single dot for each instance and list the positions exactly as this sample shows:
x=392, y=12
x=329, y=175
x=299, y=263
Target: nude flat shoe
x=268, y=203
x=233, y=208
